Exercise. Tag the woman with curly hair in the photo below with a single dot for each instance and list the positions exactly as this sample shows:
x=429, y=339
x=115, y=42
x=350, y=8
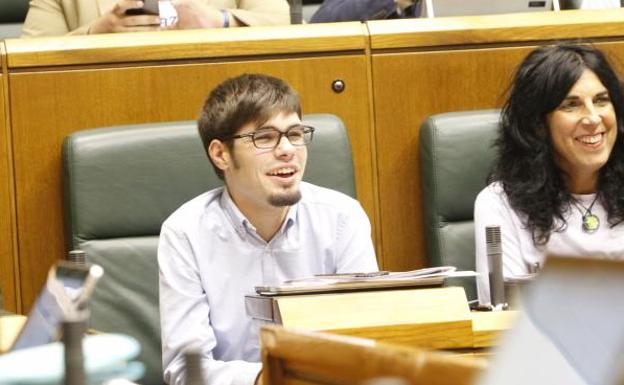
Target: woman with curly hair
x=559, y=178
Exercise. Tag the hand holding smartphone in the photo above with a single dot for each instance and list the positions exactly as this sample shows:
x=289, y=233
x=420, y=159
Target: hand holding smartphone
x=150, y=7
x=136, y=16
x=164, y=9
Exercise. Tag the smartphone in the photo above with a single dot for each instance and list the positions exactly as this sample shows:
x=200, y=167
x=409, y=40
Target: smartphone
x=64, y=296
x=150, y=7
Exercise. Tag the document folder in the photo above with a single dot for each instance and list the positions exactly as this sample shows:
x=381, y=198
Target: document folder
x=337, y=283
x=338, y=287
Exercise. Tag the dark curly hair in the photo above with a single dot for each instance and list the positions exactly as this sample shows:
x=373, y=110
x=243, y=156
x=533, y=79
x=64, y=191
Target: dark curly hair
x=535, y=185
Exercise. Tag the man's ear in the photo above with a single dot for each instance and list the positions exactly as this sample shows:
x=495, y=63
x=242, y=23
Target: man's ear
x=220, y=154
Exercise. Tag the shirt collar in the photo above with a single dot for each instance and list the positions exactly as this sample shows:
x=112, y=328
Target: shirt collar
x=242, y=225
x=237, y=218
x=291, y=216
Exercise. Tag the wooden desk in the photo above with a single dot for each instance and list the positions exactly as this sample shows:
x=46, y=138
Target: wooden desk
x=10, y=325
x=431, y=318
x=488, y=326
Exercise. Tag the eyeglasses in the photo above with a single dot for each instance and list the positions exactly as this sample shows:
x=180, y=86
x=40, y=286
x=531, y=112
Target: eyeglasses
x=269, y=137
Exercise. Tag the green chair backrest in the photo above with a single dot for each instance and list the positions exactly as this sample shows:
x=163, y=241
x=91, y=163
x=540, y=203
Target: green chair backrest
x=456, y=157
x=13, y=11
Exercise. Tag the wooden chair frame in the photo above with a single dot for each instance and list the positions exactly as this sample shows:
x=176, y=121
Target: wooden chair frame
x=293, y=357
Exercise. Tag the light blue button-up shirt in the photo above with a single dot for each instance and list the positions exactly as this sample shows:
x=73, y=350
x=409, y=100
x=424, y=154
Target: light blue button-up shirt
x=210, y=256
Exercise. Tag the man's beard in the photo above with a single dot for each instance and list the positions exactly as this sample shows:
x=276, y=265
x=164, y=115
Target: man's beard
x=285, y=199
x=277, y=200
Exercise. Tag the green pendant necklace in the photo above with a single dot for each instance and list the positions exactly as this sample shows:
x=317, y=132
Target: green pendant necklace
x=591, y=222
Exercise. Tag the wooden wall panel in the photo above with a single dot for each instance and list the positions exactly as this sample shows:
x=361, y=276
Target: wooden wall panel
x=48, y=105
x=8, y=258
x=408, y=87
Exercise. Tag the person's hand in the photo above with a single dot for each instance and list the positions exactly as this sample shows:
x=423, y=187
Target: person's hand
x=195, y=14
x=116, y=19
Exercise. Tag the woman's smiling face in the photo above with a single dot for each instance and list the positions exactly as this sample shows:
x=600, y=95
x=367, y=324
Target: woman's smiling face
x=583, y=128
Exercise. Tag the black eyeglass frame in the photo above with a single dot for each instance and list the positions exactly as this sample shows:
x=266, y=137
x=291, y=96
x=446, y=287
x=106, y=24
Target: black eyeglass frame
x=306, y=130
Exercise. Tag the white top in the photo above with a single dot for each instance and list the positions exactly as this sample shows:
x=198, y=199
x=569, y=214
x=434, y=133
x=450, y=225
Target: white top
x=210, y=256
x=492, y=209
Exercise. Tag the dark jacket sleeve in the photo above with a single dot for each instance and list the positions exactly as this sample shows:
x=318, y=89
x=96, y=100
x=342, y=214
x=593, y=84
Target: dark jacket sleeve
x=353, y=10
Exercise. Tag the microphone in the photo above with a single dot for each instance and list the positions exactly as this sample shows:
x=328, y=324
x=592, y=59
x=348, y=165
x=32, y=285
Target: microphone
x=296, y=12
x=73, y=330
x=494, y=252
x=79, y=257
x=194, y=372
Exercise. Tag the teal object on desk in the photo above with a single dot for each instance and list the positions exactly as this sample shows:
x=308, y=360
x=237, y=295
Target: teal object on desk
x=106, y=356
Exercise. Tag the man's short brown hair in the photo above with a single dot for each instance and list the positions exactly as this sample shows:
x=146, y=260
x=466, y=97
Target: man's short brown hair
x=248, y=98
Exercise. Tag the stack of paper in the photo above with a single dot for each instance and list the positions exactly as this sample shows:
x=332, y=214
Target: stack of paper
x=432, y=276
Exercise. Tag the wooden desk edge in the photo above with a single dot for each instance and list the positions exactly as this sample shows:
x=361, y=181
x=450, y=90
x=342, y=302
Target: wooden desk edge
x=186, y=45
x=487, y=327
x=496, y=29
x=10, y=326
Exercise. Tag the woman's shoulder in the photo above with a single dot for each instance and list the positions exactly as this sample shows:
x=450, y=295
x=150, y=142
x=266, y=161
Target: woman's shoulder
x=492, y=202
x=494, y=192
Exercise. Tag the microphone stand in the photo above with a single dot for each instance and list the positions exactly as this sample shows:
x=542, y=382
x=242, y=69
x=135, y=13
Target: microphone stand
x=296, y=13
x=494, y=252
x=73, y=331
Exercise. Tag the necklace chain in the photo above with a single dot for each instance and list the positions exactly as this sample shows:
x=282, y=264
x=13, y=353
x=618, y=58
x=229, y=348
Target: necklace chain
x=591, y=222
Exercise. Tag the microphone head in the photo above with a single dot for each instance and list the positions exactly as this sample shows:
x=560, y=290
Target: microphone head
x=77, y=256
x=493, y=240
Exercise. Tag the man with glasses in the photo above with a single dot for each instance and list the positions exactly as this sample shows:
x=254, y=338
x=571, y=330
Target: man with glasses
x=263, y=227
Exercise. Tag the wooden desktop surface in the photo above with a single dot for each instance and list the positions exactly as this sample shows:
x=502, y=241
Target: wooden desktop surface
x=10, y=325
x=487, y=326
x=497, y=30
x=481, y=331
x=186, y=45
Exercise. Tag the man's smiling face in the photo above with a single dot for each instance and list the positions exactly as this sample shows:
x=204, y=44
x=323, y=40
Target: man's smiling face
x=266, y=178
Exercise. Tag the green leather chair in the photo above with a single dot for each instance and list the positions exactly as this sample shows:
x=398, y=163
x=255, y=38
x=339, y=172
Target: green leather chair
x=12, y=16
x=122, y=182
x=456, y=157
